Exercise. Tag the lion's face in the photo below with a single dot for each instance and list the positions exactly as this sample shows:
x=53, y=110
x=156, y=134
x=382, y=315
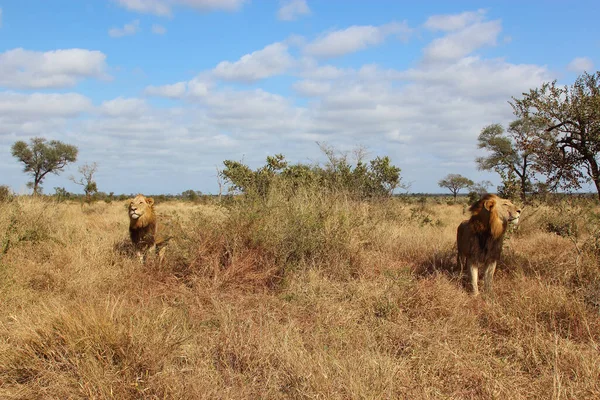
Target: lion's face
x=504, y=209
x=140, y=206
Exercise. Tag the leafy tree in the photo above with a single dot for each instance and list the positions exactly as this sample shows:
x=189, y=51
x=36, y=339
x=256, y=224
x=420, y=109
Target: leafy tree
x=41, y=158
x=90, y=187
x=510, y=154
x=455, y=182
x=568, y=148
x=384, y=175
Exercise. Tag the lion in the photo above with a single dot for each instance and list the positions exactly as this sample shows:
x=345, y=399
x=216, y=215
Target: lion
x=480, y=238
x=143, y=227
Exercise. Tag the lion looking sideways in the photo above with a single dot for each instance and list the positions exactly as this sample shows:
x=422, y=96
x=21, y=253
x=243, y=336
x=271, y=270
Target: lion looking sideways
x=479, y=239
x=143, y=225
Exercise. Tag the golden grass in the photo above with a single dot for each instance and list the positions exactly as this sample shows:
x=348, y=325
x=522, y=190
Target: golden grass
x=311, y=296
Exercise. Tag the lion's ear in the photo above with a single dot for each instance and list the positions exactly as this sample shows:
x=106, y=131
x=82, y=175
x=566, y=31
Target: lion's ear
x=150, y=201
x=489, y=204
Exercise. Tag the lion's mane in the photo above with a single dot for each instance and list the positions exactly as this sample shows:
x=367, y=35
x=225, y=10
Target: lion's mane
x=142, y=229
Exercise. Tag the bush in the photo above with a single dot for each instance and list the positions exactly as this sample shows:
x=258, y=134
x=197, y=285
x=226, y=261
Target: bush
x=261, y=240
x=5, y=194
x=376, y=178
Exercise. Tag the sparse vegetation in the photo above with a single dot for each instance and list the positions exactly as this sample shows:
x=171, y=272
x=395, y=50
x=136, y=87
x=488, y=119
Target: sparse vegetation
x=300, y=294
x=86, y=180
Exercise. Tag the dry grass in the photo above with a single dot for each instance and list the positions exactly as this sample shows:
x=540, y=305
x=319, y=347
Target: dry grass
x=303, y=296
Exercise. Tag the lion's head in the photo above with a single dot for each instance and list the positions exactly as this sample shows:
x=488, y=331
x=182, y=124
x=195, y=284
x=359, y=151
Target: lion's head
x=494, y=213
x=141, y=211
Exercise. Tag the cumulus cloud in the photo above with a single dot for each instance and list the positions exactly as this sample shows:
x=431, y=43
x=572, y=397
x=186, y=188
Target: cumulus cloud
x=474, y=77
x=454, y=22
x=159, y=29
x=24, y=69
x=310, y=88
x=43, y=104
x=292, y=9
x=124, y=107
x=127, y=30
x=580, y=65
x=463, y=42
x=174, y=91
x=274, y=59
x=164, y=7
x=354, y=38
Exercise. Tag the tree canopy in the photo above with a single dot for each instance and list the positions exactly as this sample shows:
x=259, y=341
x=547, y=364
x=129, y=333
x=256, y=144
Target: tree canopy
x=454, y=183
x=567, y=150
x=510, y=154
x=41, y=157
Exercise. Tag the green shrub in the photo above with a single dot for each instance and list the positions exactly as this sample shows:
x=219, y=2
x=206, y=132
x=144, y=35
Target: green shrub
x=362, y=180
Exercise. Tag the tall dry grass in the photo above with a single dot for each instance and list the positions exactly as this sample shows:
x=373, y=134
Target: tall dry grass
x=300, y=295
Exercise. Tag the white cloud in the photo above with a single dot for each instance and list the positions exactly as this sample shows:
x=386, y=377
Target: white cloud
x=164, y=7
x=353, y=39
x=174, y=91
x=18, y=105
x=311, y=70
x=292, y=9
x=124, y=107
x=127, y=30
x=199, y=87
x=210, y=5
x=454, y=22
x=157, y=7
x=474, y=77
x=463, y=42
x=274, y=59
x=23, y=69
x=310, y=88
x=580, y=65
x=159, y=29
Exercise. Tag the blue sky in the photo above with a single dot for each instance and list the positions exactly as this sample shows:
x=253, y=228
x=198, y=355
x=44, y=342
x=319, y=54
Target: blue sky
x=160, y=92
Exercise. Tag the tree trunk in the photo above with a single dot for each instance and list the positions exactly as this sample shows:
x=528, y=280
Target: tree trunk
x=524, y=189
x=36, y=184
x=595, y=173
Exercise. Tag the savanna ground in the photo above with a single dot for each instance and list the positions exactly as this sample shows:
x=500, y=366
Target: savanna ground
x=301, y=295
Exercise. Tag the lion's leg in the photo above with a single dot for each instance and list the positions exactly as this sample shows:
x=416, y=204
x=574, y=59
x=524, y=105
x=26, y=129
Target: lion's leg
x=473, y=267
x=161, y=254
x=488, y=276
